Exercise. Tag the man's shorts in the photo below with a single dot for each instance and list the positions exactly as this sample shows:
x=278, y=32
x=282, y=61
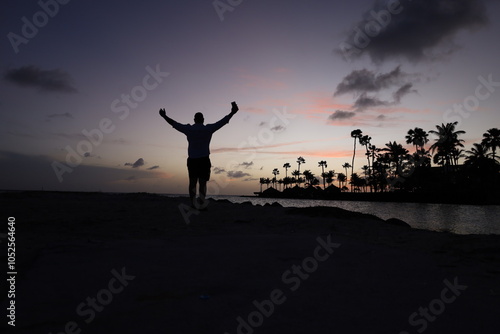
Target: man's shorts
x=199, y=168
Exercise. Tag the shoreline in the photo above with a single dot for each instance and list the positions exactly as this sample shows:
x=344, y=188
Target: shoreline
x=397, y=197
x=390, y=197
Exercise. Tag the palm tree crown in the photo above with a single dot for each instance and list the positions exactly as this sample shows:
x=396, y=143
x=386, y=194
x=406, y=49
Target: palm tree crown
x=447, y=142
x=417, y=137
x=491, y=139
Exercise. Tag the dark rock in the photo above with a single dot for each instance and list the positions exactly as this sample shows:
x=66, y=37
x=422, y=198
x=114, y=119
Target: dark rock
x=397, y=222
x=223, y=201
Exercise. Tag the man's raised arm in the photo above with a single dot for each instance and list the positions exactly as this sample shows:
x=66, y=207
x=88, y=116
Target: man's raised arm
x=217, y=125
x=166, y=118
x=234, y=108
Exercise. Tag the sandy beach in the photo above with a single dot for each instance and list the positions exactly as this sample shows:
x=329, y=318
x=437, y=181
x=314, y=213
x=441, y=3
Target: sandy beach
x=144, y=263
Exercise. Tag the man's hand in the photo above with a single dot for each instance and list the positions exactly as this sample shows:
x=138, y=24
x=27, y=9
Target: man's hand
x=234, y=107
x=163, y=113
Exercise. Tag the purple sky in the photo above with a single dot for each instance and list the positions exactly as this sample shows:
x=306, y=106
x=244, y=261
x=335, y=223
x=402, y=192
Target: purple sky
x=82, y=85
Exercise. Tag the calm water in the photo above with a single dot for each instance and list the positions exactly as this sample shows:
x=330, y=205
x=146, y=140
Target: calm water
x=460, y=219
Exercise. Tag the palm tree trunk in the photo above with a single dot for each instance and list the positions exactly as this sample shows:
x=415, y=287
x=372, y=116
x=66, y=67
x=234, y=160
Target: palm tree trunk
x=353, y=156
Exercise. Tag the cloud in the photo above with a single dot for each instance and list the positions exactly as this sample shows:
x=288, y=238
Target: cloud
x=218, y=170
x=278, y=128
x=250, y=179
x=416, y=30
x=120, y=141
x=364, y=81
x=246, y=164
x=154, y=167
x=45, y=80
x=361, y=82
x=236, y=174
x=402, y=91
x=137, y=164
x=341, y=114
x=364, y=102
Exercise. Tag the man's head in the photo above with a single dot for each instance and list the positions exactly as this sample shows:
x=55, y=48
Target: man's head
x=198, y=118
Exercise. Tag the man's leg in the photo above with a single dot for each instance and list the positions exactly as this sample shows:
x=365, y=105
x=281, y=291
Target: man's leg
x=203, y=192
x=204, y=177
x=192, y=189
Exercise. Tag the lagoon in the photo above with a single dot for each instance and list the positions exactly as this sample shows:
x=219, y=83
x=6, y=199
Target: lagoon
x=455, y=218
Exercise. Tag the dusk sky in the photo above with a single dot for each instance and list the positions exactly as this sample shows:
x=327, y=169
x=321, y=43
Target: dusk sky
x=82, y=85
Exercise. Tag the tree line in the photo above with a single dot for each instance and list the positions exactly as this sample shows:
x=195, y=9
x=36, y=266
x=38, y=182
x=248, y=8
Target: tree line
x=393, y=167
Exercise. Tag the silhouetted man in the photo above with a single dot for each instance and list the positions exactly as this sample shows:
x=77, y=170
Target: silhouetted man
x=199, y=136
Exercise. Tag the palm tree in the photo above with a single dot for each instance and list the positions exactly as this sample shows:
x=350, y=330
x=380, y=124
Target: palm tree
x=346, y=166
x=439, y=159
x=477, y=154
x=373, y=150
x=286, y=166
x=484, y=168
x=262, y=181
x=417, y=137
x=456, y=154
x=356, y=134
x=275, y=172
x=296, y=173
x=365, y=141
x=329, y=176
x=491, y=139
x=395, y=153
x=356, y=181
x=446, y=142
x=313, y=181
x=365, y=170
x=341, y=178
x=307, y=175
x=300, y=161
x=288, y=180
x=267, y=181
x=322, y=164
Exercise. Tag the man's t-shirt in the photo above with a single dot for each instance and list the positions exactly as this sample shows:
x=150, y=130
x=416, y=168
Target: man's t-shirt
x=199, y=136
